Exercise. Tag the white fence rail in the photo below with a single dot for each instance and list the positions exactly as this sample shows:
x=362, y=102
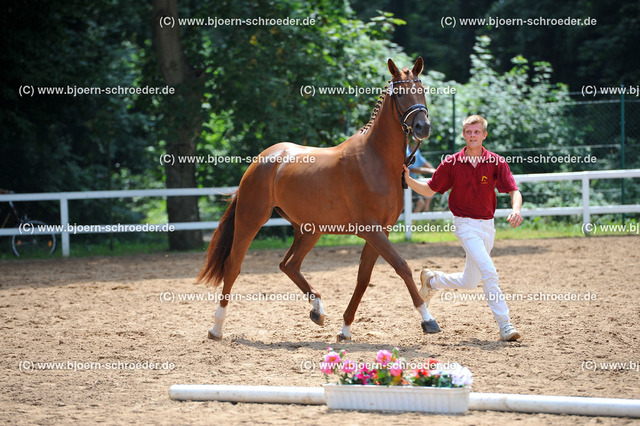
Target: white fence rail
x=586, y=210
x=408, y=217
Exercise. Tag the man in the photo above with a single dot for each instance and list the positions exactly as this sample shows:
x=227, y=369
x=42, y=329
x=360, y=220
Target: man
x=473, y=175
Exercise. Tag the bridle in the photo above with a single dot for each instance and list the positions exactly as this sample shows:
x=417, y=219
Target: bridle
x=406, y=128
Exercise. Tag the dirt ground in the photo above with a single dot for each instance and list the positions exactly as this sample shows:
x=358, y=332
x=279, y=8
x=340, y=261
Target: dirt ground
x=97, y=317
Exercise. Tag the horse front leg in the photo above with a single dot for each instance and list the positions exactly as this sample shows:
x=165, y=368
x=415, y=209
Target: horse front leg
x=368, y=259
x=383, y=246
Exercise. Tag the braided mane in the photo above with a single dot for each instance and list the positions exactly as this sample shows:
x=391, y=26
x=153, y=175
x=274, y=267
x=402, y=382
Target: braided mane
x=376, y=109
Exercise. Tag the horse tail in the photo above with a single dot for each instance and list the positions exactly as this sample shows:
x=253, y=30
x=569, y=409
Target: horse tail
x=220, y=247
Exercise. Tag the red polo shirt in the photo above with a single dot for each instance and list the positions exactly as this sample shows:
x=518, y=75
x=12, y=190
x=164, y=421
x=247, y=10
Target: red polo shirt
x=473, y=188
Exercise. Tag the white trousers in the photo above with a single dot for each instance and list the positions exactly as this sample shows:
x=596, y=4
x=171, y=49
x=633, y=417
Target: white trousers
x=476, y=237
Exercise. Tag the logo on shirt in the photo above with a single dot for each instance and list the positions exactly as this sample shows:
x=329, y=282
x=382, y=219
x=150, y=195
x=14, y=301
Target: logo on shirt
x=484, y=180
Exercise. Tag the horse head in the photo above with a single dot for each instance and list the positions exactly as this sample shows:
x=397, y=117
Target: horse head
x=408, y=95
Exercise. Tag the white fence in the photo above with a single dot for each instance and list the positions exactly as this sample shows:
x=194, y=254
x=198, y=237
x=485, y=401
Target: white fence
x=408, y=217
x=586, y=210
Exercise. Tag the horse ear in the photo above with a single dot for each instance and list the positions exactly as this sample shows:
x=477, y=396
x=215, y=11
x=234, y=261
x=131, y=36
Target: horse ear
x=418, y=66
x=392, y=67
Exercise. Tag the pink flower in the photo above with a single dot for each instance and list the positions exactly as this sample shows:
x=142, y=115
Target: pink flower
x=364, y=374
x=383, y=357
x=332, y=358
x=326, y=368
x=395, y=369
x=348, y=366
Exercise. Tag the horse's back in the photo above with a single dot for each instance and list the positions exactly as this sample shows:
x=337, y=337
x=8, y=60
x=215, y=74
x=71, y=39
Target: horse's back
x=334, y=185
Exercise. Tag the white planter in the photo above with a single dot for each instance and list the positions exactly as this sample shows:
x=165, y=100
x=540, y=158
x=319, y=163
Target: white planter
x=397, y=398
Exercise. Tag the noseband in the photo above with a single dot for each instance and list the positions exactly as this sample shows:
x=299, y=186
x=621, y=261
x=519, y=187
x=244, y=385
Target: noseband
x=406, y=128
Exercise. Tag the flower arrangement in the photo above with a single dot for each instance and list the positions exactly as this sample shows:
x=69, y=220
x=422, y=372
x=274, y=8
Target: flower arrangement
x=392, y=370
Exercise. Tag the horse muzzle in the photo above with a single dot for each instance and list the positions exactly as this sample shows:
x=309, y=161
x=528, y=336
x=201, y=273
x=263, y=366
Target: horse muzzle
x=421, y=129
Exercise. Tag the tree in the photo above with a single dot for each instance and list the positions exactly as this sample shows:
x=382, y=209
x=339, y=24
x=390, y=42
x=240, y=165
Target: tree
x=182, y=120
x=444, y=49
x=62, y=142
x=596, y=54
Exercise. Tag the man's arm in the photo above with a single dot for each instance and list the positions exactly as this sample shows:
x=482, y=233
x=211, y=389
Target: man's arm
x=515, y=218
x=421, y=188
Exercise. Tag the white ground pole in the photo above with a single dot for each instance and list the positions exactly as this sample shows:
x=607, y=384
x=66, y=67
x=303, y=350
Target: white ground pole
x=238, y=393
x=583, y=406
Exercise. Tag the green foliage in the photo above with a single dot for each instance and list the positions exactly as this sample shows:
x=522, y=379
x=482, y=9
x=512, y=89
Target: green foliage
x=252, y=93
x=62, y=142
x=523, y=108
x=582, y=54
x=253, y=97
x=527, y=115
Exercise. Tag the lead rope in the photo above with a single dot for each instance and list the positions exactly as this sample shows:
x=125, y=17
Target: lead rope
x=410, y=159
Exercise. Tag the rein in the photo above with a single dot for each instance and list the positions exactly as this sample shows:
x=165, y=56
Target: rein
x=406, y=128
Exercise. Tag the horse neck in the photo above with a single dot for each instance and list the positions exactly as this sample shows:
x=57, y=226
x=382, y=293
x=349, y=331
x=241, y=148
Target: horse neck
x=385, y=136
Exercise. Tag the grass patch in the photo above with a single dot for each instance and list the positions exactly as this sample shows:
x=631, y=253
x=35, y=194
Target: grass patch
x=535, y=228
x=120, y=248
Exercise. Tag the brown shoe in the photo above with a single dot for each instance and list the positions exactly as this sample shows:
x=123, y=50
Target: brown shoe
x=426, y=291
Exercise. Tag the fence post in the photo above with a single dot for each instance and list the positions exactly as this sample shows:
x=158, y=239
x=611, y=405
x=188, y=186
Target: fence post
x=452, y=143
x=64, y=221
x=586, y=213
x=407, y=214
x=622, y=143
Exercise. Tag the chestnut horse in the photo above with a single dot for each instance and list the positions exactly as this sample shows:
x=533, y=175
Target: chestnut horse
x=354, y=187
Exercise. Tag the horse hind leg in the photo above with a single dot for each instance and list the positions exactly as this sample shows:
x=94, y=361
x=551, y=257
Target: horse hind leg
x=248, y=221
x=231, y=271
x=290, y=265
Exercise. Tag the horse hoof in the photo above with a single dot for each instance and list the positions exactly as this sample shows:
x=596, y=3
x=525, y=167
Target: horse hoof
x=316, y=317
x=430, y=327
x=212, y=336
x=342, y=338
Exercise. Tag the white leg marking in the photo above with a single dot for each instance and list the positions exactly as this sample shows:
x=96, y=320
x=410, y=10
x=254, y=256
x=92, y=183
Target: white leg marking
x=221, y=314
x=317, y=305
x=346, y=331
x=424, y=312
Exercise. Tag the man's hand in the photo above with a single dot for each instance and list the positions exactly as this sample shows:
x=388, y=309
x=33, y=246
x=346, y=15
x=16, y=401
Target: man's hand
x=405, y=172
x=514, y=219
x=421, y=188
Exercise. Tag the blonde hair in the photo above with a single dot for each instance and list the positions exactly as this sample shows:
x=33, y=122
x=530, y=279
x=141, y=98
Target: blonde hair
x=474, y=119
